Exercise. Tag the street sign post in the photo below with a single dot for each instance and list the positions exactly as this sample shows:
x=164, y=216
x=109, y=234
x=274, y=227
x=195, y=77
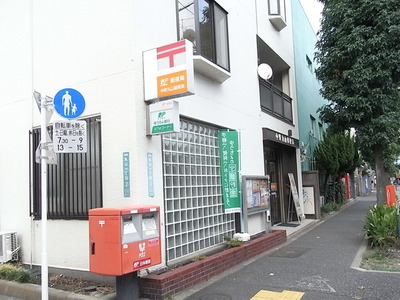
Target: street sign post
x=68, y=137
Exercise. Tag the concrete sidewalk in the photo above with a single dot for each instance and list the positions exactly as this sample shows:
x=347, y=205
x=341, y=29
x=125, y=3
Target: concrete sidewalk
x=293, y=233
x=318, y=260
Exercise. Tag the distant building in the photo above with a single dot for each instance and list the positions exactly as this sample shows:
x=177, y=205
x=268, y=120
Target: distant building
x=311, y=127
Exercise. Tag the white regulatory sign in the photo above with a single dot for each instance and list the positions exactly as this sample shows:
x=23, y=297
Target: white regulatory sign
x=69, y=136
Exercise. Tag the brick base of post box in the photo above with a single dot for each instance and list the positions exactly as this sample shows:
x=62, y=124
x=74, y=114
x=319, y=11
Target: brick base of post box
x=160, y=286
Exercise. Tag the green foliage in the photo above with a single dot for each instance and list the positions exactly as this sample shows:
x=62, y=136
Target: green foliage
x=337, y=154
x=358, y=56
x=330, y=207
x=381, y=225
x=199, y=257
x=381, y=259
x=15, y=273
x=326, y=155
x=358, y=52
x=335, y=197
x=379, y=253
x=335, y=193
x=391, y=159
x=233, y=242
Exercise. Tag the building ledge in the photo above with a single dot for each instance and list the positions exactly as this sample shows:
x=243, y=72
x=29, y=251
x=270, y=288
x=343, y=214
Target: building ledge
x=278, y=22
x=207, y=68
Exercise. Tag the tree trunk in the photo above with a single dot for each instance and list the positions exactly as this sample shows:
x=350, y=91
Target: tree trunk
x=382, y=179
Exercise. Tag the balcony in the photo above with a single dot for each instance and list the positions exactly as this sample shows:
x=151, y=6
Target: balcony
x=275, y=102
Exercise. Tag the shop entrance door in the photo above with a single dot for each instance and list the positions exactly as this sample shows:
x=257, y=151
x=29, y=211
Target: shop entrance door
x=272, y=161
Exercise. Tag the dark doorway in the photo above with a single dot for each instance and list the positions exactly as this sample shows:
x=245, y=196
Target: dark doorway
x=272, y=163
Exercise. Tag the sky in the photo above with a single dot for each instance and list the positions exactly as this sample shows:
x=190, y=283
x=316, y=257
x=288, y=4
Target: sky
x=313, y=9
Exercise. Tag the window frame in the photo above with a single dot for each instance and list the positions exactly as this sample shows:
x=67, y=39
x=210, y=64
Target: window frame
x=278, y=17
x=280, y=12
x=215, y=58
x=313, y=123
x=75, y=183
x=309, y=64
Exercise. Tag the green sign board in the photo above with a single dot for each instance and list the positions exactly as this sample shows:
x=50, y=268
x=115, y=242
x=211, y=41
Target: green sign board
x=169, y=127
x=126, y=175
x=229, y=159
x=164, y=117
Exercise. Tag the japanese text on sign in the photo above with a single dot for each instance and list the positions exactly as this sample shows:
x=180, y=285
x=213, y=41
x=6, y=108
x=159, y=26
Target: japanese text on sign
x=173, y=83
x=126, y=175
x=285, y=139
x=142, y=263
x=230, y=170
x=69, y=137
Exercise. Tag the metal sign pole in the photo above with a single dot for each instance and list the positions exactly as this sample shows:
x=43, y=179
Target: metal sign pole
x=43, y=132
x=46, y=156
x=70, y=104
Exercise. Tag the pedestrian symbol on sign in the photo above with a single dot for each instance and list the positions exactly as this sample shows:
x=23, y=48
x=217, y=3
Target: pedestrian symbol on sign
x=69, y=103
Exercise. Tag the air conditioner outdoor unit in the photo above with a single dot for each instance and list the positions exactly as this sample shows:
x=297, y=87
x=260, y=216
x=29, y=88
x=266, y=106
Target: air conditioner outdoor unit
x=9, y=247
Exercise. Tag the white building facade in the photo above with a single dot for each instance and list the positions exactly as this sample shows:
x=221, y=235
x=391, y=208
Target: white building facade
x=96, y=47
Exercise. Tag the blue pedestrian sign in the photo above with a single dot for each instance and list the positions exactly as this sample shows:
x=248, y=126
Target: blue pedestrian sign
x=69, y=103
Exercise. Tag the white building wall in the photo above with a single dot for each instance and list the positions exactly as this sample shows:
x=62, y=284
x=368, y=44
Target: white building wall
x=15, y=117
x=281, y=42
x=95, y=46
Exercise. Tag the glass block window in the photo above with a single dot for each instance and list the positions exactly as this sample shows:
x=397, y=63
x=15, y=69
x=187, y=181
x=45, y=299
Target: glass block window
x=195, y=218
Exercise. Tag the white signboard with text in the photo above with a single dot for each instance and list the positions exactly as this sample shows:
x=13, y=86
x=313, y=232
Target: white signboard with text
x=164, y=117
x=295, y=196
x=69, y=136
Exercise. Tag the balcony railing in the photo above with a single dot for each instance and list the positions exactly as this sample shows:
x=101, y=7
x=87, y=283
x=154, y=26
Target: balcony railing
x=275, y=102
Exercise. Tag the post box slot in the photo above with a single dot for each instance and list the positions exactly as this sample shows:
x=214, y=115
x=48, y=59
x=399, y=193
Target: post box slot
x=149, y=226
x=131, y=230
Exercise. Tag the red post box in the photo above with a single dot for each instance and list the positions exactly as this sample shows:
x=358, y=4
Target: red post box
x=124, y=239
x=390, y=195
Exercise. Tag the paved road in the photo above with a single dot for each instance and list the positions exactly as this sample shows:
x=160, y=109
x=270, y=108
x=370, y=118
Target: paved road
x=317, y=263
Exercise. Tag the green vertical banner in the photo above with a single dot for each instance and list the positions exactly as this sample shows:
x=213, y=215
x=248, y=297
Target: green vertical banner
x=126, y=174
x=229, y=160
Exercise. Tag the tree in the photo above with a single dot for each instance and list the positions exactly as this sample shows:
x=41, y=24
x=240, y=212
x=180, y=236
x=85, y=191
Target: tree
x=336, y=155
x=359, y=67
